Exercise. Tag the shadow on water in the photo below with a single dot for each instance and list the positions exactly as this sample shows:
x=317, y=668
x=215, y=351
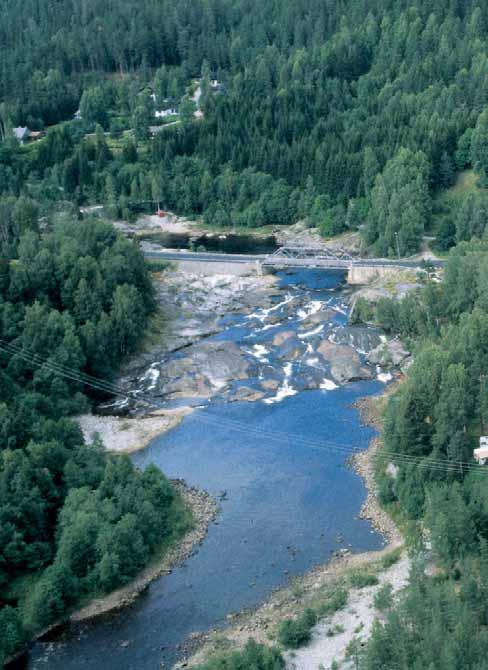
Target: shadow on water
x=228, y=243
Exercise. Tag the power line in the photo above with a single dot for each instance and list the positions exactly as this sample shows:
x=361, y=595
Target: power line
x=112, y=389
x=433, y=463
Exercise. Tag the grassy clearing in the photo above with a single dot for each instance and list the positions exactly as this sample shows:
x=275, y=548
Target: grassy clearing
x=466, y=182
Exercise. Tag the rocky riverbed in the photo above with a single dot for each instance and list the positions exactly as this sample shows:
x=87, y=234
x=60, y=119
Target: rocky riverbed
x=252, y=338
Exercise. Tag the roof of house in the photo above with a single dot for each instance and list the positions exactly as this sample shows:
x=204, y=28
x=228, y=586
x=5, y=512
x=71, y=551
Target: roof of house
x=21, y=133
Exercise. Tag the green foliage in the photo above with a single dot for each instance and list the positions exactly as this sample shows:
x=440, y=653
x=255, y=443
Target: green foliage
x=93, y=106
x=294, y=633
x=384, y=123
x=359, y=579
x=80, y=520
x=391, y=558
x=362, y=312
x=13, y=635
x=435, y=419
x=400, y=206
x=479, y=147
x=433, y=626
x=383, y=599
x=335, y=601
x=255, y=656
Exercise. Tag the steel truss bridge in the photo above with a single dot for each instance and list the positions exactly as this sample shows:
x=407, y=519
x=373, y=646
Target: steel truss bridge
x=331, y=259
x=293, y=256
x=314, y=257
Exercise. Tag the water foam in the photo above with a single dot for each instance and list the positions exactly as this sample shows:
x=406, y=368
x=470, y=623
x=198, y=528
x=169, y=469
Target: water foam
x=328, y=385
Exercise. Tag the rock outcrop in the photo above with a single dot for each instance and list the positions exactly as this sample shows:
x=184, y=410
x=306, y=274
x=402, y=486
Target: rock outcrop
x=345, y=363
x=388, y=354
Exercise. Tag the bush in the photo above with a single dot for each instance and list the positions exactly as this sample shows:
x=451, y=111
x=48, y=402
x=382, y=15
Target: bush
x=383, y=599
x=295, y=633
x=362, y=312
x=391, y=558
x=359, y=580
x=255, y=656
x=335, y=602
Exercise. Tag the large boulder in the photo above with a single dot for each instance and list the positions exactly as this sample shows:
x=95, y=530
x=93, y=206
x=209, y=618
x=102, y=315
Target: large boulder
x=360, y=337
x=281, y=338
x=388, y=354
x=291, y=349
x=324, y=315
x=344, y=361
x=205, y=368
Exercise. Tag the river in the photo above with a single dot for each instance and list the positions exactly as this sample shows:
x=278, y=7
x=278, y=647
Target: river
x=291, y=501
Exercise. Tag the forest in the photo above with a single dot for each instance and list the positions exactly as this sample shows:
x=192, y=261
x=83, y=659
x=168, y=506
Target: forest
x=346, y=114
x=74, y=521
x=431, y=425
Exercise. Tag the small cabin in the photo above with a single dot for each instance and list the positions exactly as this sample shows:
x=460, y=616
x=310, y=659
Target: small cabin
x=21, y=134
x=481, y=454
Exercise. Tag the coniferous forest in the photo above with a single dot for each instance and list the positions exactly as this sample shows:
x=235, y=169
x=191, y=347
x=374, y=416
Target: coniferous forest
x=345, y=114
x=367, y=115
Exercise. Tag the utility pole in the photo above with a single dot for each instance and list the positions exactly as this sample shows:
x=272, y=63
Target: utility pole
x=397, y=244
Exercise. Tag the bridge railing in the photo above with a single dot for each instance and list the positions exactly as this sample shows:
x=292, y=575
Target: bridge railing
x=310, y=256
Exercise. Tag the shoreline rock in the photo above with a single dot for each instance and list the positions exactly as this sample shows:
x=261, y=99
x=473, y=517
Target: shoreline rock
x=126, y=435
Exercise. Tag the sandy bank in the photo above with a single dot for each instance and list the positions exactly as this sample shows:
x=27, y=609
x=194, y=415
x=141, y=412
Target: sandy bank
x=126, y=435
x=204, y=510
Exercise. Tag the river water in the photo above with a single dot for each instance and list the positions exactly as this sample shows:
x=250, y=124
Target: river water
x=291, y=500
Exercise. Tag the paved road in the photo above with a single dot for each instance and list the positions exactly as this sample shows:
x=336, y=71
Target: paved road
x=203, y=256
x=208, y=257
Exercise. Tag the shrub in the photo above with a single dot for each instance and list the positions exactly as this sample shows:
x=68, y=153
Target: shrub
x=383, y=599
x=391, y=558
x=255, y=656
x=359, y=580
x=336, y=601
x=295, y=633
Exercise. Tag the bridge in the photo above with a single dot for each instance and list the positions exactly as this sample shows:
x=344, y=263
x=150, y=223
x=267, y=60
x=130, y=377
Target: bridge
x=295, y=256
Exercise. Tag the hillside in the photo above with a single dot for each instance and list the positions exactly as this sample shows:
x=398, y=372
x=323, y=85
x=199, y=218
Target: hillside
x=343, y=114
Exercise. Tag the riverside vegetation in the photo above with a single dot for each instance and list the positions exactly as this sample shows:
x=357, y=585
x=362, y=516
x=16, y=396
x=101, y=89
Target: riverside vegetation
x=357, y=114
x=74, y=521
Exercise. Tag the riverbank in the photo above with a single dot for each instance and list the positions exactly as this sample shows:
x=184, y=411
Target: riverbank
x=126, y=435
x=333, y=634
x=203, y=510
x=371, y=410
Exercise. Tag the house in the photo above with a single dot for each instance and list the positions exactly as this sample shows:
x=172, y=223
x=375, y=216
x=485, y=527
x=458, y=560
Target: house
x=164, y=113
x=77, y=115
x=481, y=454
x=21, y=134
x=35, y=135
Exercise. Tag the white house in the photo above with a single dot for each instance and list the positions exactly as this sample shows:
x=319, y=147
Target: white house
x=21, y=134
x=164, y=113
x=481, y=454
